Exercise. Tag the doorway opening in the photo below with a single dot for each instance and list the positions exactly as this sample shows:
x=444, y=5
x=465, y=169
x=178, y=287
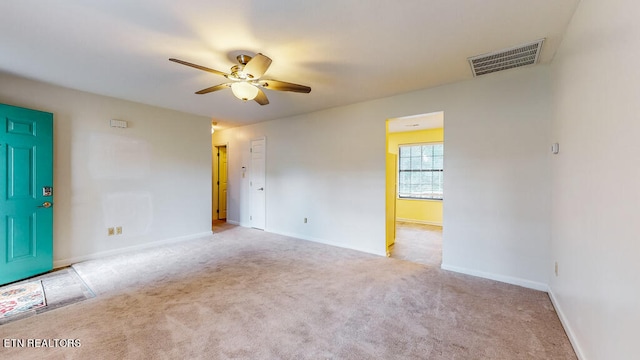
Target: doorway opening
x=219, y=185
x=415, y=183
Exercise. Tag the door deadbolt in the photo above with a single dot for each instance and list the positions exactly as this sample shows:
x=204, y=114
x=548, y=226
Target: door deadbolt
x=46, y=204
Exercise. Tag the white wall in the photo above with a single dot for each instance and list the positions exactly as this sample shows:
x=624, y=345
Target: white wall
x=153, y=178
x=329, y=166
x=317, y=172
x=596, y=177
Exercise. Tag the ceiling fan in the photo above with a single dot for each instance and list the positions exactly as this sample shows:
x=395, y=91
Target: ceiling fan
x=246, y=83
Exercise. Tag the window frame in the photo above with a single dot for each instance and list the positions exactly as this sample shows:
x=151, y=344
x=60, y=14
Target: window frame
x=400, y=170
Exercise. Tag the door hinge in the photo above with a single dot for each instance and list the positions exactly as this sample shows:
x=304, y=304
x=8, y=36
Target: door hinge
x=217, y=182
x=218, y=154
x=250, y=150
x=218, y=211
x=250, y=217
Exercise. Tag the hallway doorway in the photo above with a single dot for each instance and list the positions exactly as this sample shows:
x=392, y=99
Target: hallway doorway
x=415, y=184
x=219, y=183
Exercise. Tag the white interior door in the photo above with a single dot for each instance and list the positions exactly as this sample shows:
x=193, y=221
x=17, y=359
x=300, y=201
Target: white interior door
x=257, y=183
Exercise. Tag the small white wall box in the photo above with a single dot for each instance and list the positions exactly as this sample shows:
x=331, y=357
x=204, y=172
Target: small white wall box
x=555, y=148
x=118, y=123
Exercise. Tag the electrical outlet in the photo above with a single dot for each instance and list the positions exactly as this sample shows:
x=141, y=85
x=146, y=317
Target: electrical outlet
x=556, y=268
x=119, y=230
x=110, y=231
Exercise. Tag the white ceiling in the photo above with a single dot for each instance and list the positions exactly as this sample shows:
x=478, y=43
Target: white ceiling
x=347, y=51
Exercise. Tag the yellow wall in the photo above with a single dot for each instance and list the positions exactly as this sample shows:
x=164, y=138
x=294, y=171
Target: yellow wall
x=423, y=211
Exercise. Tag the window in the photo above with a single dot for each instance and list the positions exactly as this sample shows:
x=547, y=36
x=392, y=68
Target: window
x=421, y=171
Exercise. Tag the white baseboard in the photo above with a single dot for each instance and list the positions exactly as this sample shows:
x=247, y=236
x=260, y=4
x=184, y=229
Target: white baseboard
x=424, y=222
x=232, y=222
x=566, y=326
x=502, y=278
x=101, y=254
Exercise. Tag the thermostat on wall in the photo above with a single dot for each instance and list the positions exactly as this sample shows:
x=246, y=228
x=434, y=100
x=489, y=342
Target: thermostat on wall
x=118, y=123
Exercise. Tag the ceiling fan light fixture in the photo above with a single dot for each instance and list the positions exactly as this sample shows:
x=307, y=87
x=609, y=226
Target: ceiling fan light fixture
x=246, y=79
x=244, y=91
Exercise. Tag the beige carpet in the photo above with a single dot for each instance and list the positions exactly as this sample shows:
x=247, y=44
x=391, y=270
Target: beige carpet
x=418, y=243
x=247, y=294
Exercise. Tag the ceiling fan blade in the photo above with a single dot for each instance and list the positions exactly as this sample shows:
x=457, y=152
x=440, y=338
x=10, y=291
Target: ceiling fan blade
x=213, y=88
x=261, y=98
x=257, y=66
x=198, y=67
x=284, y=86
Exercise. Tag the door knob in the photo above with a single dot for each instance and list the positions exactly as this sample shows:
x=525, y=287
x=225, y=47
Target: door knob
x=46, y=204
x=261, y=189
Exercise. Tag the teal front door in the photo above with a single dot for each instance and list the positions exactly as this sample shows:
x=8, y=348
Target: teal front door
x=26, y=193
